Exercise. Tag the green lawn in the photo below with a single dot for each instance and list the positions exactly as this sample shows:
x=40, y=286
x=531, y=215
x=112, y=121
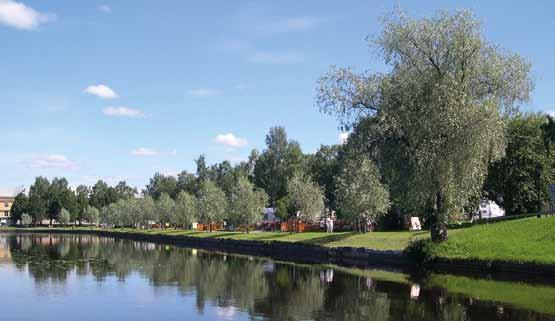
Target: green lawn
x=376, y=240
x=523, y=240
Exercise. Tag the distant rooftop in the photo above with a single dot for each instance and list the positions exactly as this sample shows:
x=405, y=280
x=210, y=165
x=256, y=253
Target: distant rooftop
x=10, y=191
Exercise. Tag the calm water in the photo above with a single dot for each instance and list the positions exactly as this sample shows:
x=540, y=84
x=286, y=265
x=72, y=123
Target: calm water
x=84, y=278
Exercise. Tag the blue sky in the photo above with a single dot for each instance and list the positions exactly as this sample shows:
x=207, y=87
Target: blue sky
x=119, y=89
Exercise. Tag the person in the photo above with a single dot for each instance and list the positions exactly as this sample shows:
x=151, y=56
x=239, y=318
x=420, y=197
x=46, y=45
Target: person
x=329, y=224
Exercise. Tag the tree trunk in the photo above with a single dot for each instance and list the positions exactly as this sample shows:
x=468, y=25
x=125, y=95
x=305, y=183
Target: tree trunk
x=438, y=219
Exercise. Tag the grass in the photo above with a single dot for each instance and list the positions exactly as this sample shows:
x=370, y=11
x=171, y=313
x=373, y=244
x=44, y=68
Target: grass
x=523, y=240
x=376, y=240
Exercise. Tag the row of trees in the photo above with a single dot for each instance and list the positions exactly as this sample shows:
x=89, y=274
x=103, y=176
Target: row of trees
x=336, y=177
x=49, y=200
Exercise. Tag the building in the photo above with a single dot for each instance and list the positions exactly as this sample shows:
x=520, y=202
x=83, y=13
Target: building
x=7, y=197
x=489, y=209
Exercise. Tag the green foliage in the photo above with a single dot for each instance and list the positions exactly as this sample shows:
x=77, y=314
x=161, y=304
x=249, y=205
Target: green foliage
x=165, y=207
x=323, y=167
x=434, y=120
x=38, y=199
x=360, y=194
x=277, y=164
x=420, y=253
x=246, y=204
x=91, y=215
x=160, y=184
x=514, y=181
x=60, y=196
x=20, y=206
x=211, y=203
x=64, y=217
x=305, y=197
x=82, y=193
x=102, y=195
x=282, y=208
x=185, y=209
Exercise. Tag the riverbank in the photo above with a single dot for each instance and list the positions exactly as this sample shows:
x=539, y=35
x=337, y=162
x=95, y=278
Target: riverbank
x=523, y=246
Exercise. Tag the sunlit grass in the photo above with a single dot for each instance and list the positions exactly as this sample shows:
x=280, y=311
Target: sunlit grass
x=524, y=240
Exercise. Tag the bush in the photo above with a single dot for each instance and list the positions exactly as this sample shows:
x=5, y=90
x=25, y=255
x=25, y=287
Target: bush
x=420, y=253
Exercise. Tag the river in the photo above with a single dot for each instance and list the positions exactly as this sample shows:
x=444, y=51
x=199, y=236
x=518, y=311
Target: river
x=84, y=277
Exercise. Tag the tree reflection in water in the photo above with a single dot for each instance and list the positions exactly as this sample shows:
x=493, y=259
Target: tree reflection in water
x=262, y=288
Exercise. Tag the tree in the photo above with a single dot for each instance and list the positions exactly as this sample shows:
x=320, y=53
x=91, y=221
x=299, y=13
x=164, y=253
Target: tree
x=38, y=199
x=160, y=184
x=360, y=194
x=246, y=204
x=82, y=193
x=26, y=219
x=125, y=191
x=165, y=207
x=437, y=113
x=185, y=209
x=277, y=164
x=91, y=215
x=187, y=182
x=323, y=166
x=102, y=195
x=60, y=196
x=20, y=206
x=148, y=210
x=211, y=203
x=512, y=180
x=64, y=218
x=305, y=197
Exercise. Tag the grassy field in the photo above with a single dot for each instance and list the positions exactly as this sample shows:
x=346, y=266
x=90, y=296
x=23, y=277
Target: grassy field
x=377, y=240
x=523, y=240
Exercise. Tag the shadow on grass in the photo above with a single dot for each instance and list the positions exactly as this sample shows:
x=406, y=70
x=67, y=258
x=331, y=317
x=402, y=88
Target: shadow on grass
x=272, y=237
x=329, y=238
x=215, y=235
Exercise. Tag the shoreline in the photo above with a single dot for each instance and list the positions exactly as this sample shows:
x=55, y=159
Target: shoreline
x=316, y=254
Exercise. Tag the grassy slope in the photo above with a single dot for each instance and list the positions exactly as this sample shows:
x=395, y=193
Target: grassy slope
x=524, y=240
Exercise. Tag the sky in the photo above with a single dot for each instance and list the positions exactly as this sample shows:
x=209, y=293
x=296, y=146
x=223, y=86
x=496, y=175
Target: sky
x=121, y=89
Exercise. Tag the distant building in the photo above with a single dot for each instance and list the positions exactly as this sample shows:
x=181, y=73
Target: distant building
x=489, y=209
x=7, y=197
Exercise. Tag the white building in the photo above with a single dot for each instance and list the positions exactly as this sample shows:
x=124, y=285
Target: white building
x=489, y=209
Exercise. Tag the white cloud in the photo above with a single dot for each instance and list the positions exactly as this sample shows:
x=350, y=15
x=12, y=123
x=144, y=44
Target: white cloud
x=342, y=137
x=52, y=161
x=204, y=92
x=231, y=140
x=144, y=151
x=123, y=112
x=550, y=113
x=105, y=8
x=276, y=58
x=19, y=16
x=101, y=91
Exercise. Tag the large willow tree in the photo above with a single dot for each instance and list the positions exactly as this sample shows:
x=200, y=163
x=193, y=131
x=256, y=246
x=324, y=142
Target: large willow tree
x=434, y=121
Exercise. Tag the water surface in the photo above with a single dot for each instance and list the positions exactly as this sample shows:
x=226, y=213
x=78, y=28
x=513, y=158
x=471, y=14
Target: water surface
x=79, y=277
